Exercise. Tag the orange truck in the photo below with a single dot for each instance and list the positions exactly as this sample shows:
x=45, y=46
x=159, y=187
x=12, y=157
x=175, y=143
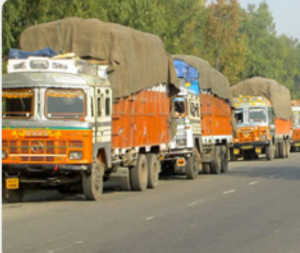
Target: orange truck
x=67, y=125
x=295, y=140
x=263, y=114
x=203, y=111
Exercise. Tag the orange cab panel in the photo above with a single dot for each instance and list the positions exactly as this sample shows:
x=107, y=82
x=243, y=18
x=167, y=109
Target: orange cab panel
x=46, y=146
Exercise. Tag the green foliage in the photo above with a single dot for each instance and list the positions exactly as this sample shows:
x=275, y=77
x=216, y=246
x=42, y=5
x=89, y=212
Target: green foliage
x=241, y=43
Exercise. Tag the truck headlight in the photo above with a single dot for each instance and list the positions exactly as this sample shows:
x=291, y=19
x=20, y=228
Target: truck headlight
x=75, y=155
x=4, y=154
x=263, y=136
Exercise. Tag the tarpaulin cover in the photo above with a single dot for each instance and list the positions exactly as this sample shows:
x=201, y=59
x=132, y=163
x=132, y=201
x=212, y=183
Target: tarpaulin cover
x=278, y=94
x=209, y=78
x=137, y=60
x=183, y=70
x=19, y=54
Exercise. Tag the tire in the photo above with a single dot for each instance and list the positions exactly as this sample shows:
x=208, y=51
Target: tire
x=139, y=174
x=92, y=184
x=233, y=157
x=224, y=159
x=193, y=165
x=281, y=152
x=154, y=167
x=270, y=152
x=288, y=148
x=276, y=151
x=216, y=164
x=205, y=168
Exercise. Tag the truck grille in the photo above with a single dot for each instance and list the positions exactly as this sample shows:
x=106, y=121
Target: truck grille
x=248, y=136
x=39, y=150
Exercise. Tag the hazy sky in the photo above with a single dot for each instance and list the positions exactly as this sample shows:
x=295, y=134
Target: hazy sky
x=286, y=14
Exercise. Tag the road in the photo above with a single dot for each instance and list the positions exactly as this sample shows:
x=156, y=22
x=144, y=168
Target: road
x=253, y=209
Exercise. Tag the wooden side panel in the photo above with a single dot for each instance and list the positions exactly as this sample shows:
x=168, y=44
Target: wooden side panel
x=141, y=120
x=215, y=116
x=283, y=126
x=296, y=135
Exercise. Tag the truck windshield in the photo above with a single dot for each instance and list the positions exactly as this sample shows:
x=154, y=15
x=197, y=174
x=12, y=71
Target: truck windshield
x=239, y=115
x=65, y=104
x=17, y=103
x=180, y=108
x=257, y=115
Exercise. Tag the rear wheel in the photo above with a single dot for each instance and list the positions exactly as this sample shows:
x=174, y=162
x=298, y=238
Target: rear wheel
x=139, y=174
x=281, y=148
x=153, y=170
x=270, y=152
x=92, y=183
x=216, y=164
x=224, y=159
x=288, y=147
x=205, y=168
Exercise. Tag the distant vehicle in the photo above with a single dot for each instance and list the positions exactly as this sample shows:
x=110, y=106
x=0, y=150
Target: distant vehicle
x=204, y=129
x=295, y=140
x=263, y=123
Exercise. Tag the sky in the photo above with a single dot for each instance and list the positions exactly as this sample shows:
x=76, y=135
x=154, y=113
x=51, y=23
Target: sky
x=286, y=14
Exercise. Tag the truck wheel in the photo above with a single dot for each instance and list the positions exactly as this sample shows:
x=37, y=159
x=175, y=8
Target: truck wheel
x=92, y=184
x=281, y=147
x=270, y=152
x=224, y=159
x=153, y=170
x=193, y=165
x=233, y=157
x=205, y=168
x=276, y=150
x=216, y=164
x=139, y=174
x=288, y=148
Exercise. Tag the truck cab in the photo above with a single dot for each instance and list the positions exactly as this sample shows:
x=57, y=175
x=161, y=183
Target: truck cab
x=56, y=126
x=255, y=127
x=184, y=156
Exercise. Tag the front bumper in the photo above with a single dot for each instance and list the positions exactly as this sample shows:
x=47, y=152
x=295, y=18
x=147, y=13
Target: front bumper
x=249, y=144
x=45, y=167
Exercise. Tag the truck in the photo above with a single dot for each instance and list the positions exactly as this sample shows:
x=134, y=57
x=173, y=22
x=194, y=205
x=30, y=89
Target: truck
x=295, y=140
x=203, y=113
x=71, y=122
x=263, y=114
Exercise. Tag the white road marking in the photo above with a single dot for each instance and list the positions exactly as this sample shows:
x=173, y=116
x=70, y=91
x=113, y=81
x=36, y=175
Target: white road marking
x=230, y=191
x=193, y=203
x=150, y=218
x=253, y=183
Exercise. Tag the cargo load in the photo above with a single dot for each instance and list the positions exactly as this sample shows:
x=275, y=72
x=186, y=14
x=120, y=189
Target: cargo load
x=137, y=60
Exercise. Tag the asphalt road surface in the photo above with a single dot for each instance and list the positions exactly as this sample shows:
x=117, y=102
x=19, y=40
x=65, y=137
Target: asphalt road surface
x=254, y=208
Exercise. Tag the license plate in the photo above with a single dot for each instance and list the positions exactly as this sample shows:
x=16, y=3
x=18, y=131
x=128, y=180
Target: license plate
x=180, y=162
x=12, y=183
x=247, y=147
x=297, y=144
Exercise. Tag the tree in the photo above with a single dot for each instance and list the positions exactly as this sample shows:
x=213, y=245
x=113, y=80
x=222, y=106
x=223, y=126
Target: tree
x=225, y=47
